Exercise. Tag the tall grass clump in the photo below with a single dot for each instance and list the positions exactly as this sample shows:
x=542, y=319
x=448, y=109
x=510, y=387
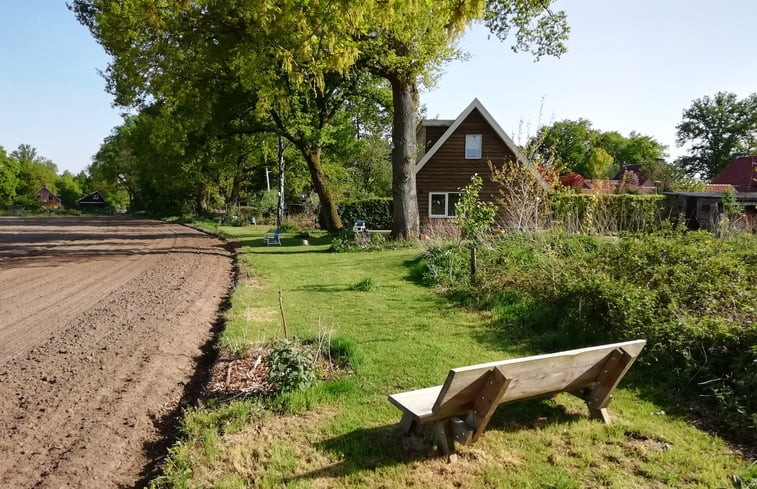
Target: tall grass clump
x=693, y=296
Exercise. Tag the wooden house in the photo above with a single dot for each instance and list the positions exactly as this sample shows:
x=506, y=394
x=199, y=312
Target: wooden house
x=450, y=152
x=47, y=199
x=92, y=202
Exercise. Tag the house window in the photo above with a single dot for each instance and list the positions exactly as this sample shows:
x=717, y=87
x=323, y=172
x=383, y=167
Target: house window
x=472, y=146
x=442, y=204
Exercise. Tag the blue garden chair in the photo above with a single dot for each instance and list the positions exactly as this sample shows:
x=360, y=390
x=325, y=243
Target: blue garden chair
x=274, y=238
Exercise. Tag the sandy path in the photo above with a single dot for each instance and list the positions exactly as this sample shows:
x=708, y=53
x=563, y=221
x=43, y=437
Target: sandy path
x=101, y=323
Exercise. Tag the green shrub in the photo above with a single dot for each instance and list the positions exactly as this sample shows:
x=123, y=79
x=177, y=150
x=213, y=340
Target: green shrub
x=365, y=285
x=607, y=213
x=375, y=211
x=346, y=240
x=289, y=367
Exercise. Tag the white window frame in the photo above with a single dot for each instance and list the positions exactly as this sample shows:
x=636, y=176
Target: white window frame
x=469, y=141
x=447, y=210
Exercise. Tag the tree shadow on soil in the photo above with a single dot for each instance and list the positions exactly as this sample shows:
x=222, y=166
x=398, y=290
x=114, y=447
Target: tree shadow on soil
x=368, y=449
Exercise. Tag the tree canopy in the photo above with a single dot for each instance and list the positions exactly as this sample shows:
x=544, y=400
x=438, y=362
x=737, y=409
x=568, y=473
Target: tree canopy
x=715, y=127
x=290, y=65
x=577, y=147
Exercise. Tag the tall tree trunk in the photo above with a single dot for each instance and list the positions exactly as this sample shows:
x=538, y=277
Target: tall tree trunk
x=405, y=210
x=328, y=205
x=282, y=174
x=236, y=184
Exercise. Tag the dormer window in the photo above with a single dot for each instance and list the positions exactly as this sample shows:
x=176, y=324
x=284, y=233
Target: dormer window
x=472, y=146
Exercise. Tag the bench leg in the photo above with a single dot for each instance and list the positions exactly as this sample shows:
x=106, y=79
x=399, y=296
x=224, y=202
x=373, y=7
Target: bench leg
x=408, y=424
x=444, y=439
x=598, y=398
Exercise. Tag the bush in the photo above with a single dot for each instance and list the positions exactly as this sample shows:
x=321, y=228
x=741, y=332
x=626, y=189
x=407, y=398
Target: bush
x=692, y=296
x=607, y=213
x=289, y=367
x=376, y=212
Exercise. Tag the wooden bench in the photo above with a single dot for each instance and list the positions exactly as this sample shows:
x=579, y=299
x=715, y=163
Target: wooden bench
x=462, y=407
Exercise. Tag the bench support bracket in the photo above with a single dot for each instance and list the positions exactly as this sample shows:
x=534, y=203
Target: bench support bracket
x=597, y=398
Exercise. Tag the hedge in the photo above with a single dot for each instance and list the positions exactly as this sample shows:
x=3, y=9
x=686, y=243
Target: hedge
x=606, y=213
x=376, y=212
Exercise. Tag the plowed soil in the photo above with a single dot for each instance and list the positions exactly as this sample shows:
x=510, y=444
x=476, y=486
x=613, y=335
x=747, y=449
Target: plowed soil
x=102, y=323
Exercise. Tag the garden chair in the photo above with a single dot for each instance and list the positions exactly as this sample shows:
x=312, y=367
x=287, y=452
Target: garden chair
x=359, y=226
x=274, y=238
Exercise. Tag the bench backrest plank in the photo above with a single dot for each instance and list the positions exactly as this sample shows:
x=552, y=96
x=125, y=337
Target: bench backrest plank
x=530, y=376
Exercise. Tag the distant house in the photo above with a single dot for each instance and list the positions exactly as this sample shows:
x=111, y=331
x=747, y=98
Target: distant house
x=741, y=173
x=450, y=152
x=47, y=199
x=92, y=202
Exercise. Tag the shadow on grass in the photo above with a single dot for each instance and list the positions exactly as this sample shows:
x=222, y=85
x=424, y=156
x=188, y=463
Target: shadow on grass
x=288, y=245
x=323, y=288
x=368, y=449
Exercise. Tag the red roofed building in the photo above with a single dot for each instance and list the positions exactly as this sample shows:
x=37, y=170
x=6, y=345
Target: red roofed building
x=741, y=173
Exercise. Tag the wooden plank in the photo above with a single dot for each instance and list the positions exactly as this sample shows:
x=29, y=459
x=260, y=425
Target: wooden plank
x=530, y=376
x=488, y=400
x=418, y=402
x=444, y=438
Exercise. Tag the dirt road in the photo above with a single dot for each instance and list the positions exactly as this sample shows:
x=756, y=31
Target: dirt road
x=102, y=321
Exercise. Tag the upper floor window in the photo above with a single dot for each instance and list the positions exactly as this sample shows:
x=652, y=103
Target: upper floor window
x=472, y=146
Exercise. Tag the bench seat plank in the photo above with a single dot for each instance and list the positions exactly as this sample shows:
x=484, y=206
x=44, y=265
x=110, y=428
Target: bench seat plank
x=419, y=403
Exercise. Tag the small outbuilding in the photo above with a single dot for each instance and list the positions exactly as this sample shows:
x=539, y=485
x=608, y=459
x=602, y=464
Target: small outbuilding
x=702, y=210
x=92, y=202
x=47, y=199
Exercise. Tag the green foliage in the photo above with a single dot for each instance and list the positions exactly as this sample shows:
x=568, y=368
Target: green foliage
x=69, y=190
x=692, y=296
x=474, y=217
x=347, y=240
x=365, y=285
x=375, y=211
x=9, y=169
x=290, y=367
x=34, y=171
x=714, y=128
x=578, y=147
x=266, y=203
x=606, y=213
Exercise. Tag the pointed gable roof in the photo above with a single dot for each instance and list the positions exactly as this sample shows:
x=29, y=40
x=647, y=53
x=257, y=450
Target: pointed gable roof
x=475, y=105
x=93, y=198
x=45, y=190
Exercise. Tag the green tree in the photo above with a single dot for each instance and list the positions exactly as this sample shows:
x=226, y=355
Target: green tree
x=598, y=163
x=69, y=190
x=230, y=68
x=567, y=144
x=577, y=147
x=34, y=171
x=9, y=169
x=714, y=128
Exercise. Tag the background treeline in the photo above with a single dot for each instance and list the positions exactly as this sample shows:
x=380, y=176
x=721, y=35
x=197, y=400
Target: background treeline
x=23, y=172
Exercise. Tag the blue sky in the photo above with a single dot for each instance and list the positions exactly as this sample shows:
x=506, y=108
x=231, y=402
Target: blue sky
x=631, y=65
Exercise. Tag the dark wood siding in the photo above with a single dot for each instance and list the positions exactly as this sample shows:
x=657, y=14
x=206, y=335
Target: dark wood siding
x=448, y=170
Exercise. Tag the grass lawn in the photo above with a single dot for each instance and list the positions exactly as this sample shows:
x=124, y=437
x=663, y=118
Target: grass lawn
x=400, y=336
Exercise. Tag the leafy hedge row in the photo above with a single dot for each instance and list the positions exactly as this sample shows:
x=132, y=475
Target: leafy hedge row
x=376, y=212
x=692, y=296
x=607, y=213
